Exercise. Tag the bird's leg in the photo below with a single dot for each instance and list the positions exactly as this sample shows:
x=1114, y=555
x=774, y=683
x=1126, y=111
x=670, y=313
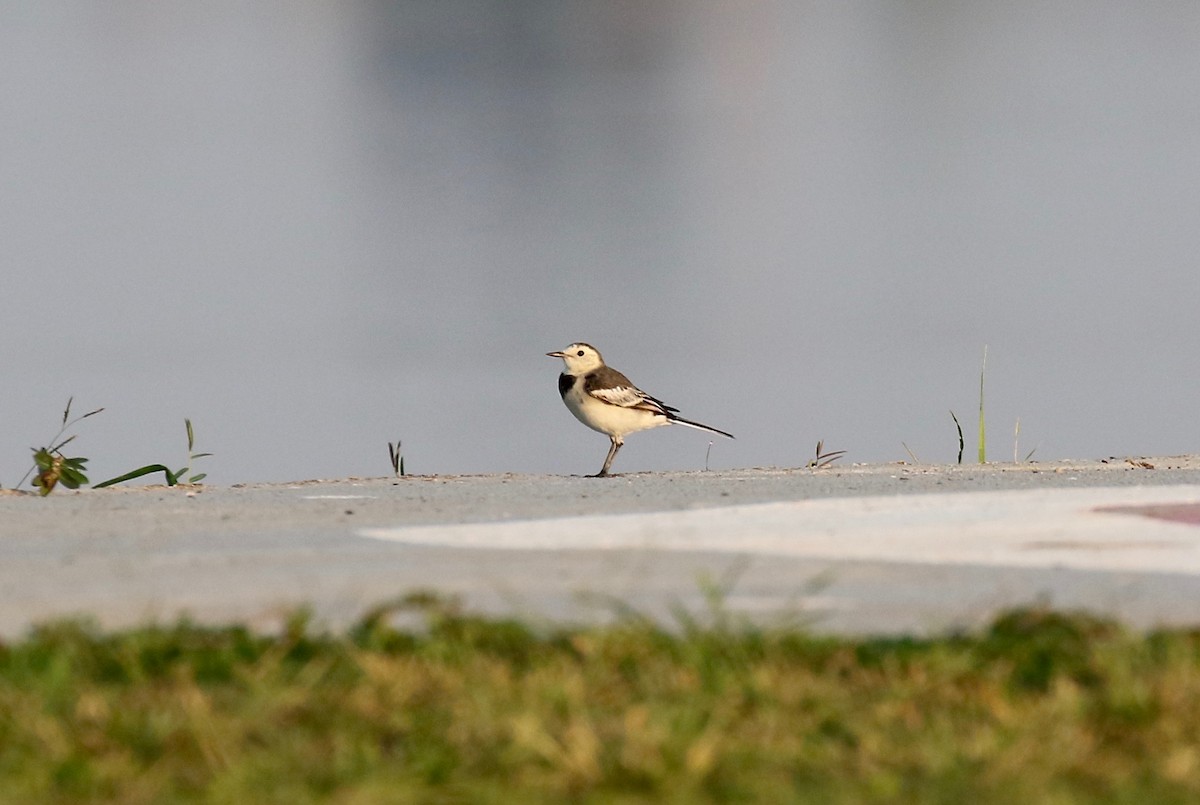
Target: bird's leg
x=617, y=441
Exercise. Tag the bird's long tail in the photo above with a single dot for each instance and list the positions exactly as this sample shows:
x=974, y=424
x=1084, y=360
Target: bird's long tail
x=678, y=420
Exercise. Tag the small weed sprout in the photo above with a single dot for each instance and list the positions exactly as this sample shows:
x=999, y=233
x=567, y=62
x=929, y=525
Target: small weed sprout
x=52, y=466
x=1016, y=441
x=192, y=456
x=183, y=475
x=397, y=458
x=824, y=459
x=982, y=431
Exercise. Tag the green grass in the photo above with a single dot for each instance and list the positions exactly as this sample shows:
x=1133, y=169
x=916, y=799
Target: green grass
x=1039, y=708
x=180, y=476
x=53, y=467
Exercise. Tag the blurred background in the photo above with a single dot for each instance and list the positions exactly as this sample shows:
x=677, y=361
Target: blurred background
x=314, y=228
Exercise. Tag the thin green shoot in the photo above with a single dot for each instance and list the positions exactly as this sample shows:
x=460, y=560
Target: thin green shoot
x=192, y=456
x=911, y=454
x=1016, y=441
x=173, y=478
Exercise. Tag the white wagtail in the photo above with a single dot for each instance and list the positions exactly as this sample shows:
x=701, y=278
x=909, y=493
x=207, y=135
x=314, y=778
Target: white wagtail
x=605, y=400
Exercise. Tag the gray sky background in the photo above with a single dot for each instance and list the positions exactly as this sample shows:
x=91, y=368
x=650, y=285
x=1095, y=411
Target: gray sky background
x=314, y=228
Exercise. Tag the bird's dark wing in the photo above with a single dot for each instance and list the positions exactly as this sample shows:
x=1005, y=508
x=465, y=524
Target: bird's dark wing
x=610, y=386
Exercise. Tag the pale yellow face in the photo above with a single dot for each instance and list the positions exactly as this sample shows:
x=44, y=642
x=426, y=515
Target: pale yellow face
x=579, y=358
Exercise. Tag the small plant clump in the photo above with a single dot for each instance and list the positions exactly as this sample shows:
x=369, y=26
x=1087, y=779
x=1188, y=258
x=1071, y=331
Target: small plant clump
x=397, y=458
x=52, y=465
x=181, y=476
x=824, y=459
x=982, y=445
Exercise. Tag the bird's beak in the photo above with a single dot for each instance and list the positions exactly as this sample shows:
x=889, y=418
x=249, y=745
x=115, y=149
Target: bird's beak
x=555, y=355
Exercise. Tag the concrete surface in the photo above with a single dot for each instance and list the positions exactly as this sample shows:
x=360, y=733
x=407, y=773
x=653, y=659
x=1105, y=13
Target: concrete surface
x=871, y=549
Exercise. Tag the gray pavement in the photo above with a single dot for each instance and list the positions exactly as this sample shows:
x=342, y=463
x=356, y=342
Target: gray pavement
x=879, y=549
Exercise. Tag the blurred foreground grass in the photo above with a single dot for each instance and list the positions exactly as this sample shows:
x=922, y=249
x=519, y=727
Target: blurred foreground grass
x=1040, y=708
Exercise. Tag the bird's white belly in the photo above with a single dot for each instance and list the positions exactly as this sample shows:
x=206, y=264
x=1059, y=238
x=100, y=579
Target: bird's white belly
x=607, y=418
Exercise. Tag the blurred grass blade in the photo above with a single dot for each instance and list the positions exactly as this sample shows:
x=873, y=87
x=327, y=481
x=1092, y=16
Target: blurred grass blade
x=396, y=457
x=61, y=444
x=149, y=469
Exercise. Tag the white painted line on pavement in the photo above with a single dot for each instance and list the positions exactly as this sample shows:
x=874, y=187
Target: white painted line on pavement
x=1025, y=528
x=338, y=497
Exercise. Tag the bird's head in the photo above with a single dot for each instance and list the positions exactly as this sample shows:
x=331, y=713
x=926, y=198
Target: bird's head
x=579, y=358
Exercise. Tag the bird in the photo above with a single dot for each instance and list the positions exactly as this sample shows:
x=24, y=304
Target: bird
x=606, y=401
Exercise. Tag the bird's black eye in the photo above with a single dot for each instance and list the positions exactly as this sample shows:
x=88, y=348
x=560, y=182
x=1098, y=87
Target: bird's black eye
x=580, y=353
